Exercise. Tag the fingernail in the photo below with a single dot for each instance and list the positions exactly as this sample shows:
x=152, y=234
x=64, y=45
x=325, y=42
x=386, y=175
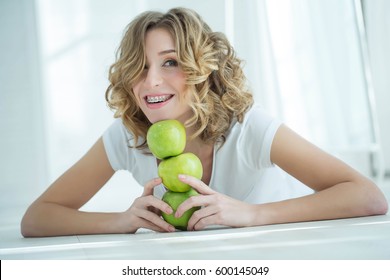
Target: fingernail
x=172, y=229
x=181, y=176
x=169, y=211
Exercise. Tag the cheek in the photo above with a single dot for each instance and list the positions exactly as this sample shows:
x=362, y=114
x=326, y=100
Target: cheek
x=187, y=95
x=180, y=84
x=136, y=91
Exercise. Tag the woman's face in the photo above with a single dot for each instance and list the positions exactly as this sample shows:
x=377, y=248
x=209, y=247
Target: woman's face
x=161, y=91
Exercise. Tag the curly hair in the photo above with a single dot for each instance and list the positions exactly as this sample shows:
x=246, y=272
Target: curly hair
x=210, y=66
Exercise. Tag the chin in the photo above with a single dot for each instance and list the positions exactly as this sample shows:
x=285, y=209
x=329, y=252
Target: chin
x=155, y=116
x=161, y=117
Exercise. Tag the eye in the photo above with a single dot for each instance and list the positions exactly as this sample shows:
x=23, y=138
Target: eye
x=170, y=63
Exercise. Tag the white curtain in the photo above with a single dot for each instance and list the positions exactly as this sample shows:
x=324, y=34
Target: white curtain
x=377, y=22
x=303, y=61
x=307, y=64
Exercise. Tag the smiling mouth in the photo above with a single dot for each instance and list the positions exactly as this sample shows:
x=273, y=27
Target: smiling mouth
x=157, y=98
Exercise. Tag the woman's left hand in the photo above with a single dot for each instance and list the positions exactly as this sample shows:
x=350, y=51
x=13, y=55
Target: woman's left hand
x=217, y=209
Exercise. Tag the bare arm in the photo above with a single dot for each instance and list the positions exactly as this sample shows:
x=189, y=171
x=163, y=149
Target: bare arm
x=56, y=212
x=341, y=191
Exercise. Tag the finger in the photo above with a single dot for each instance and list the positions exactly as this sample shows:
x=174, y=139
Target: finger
x=204, y=222
x=149, y=225
x=193, y=201
x=144, y=202
x=150, y=185
x=199, y=218
x=154, y=210
x=153, y=221
x=197, y=184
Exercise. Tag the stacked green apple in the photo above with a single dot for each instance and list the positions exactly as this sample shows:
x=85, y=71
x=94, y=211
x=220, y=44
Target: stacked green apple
x=166, y=140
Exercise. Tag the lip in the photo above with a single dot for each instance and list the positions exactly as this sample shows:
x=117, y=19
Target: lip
x=159, y=104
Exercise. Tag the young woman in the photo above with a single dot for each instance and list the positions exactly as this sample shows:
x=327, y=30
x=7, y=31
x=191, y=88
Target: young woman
x=172, y=66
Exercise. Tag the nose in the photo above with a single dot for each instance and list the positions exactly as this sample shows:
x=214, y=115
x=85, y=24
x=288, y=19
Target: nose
x=153, y=77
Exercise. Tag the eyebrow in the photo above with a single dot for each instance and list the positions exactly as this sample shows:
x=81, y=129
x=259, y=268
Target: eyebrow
x=167, y=51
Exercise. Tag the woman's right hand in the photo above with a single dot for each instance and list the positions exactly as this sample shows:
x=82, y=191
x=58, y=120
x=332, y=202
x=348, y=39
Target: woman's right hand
x=145, y=211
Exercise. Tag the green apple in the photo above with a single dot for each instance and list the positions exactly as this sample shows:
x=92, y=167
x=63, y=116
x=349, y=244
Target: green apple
x=170, y=168
x=166, y=138
x=174, y=199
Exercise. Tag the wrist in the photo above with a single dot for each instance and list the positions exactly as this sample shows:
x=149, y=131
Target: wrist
x=123, y=223
x=262, y=215
x=114, y=223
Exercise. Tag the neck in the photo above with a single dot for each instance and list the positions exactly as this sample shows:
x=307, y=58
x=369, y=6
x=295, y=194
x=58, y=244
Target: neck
x=205, y=153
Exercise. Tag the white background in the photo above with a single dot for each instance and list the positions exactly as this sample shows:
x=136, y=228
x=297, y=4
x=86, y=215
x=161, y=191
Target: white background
x=304, y=60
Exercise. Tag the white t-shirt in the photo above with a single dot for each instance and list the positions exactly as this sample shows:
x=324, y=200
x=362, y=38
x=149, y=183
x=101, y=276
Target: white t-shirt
x=242, y=167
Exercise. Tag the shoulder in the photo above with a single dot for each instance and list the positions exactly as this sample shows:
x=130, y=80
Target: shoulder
x=118, y=143
x=257, y=120
x=258, y=114
x=251, y=140
x=118, y=132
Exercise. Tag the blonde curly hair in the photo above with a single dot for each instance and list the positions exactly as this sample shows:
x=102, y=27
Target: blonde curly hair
x=210, y=66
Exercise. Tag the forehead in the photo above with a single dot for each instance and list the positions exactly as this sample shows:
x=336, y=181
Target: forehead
x=159, y=39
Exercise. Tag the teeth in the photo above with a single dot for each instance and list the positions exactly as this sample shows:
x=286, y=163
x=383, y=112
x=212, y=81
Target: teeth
x=156, y=99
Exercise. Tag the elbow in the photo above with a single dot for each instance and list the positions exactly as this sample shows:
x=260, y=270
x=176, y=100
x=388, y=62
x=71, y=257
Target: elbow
x=25, y=232
x=381, y=207
x=28, y=224
x=376, y=202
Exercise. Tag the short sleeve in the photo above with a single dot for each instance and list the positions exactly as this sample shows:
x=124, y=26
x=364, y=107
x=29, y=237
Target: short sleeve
x=116, y=141
x=256, y=138
x=241, y=162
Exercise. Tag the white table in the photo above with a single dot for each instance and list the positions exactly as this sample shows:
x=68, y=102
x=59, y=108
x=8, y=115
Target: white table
x=358, y=238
